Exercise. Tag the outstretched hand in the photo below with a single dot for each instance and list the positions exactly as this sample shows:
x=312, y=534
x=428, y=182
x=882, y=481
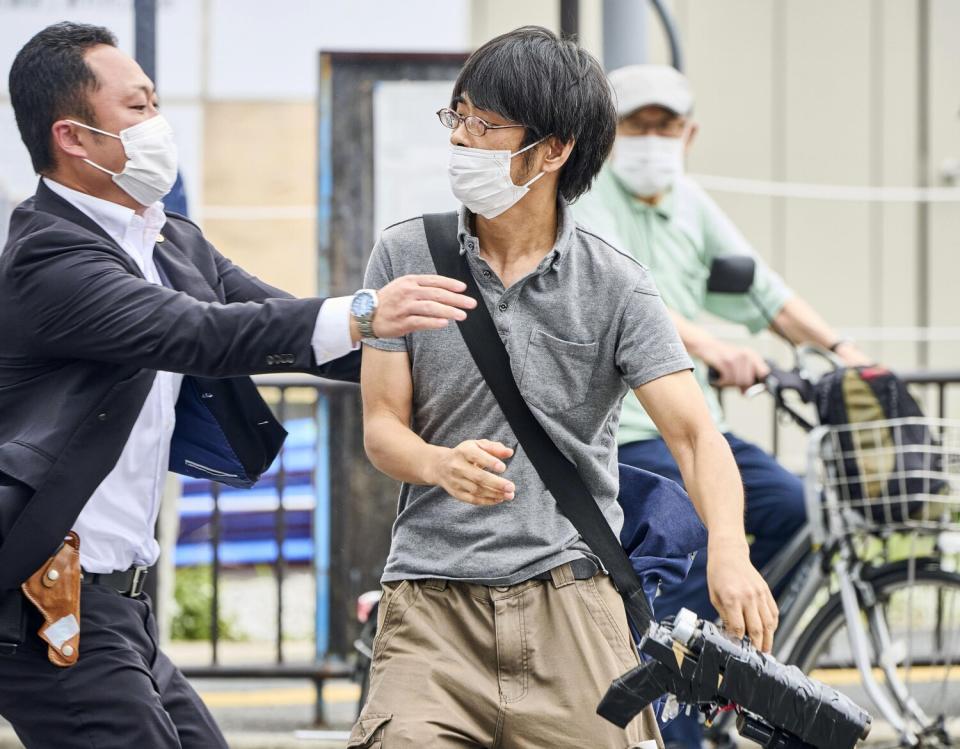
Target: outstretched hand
x=412, y=303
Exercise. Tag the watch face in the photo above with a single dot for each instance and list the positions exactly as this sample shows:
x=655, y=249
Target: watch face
x=362, y=305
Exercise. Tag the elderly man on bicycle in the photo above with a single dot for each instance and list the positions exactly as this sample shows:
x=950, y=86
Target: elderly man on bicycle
x=643, y=203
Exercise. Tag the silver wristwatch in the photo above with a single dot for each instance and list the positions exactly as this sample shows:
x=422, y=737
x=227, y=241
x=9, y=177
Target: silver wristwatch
x=363, y=308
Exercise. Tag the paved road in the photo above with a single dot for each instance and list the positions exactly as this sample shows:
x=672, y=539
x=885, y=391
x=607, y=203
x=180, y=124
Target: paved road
x=278, y=714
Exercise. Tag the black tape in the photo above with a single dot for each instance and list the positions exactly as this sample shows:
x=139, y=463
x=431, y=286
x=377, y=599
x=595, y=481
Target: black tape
x=715, y=671
x=633, y=691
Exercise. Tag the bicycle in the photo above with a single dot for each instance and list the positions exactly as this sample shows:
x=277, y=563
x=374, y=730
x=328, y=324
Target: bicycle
x=872, y=583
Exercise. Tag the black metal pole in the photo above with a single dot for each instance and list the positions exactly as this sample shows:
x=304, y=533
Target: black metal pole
x=145, y=36
x=145, y=29
x=569, y=17
x=280, y=527
x=217, y=534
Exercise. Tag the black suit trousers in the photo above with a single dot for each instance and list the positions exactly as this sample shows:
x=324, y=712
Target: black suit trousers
x=123, y=692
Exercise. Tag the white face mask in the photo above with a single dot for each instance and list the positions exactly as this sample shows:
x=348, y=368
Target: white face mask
x=151, y=167
x=480, y=179
x=648, y=164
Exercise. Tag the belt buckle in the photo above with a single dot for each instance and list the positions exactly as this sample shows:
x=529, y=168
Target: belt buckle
x=136, y=584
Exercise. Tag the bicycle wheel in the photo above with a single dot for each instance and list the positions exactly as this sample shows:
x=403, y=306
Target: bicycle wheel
x=921, y=605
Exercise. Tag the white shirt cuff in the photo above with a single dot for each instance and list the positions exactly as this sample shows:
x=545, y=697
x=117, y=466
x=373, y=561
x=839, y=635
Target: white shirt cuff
x=331, y=336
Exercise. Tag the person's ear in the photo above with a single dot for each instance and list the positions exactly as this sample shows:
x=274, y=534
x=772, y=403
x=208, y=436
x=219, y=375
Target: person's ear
x=66, y=139
x=691, y=135
x=556, y=153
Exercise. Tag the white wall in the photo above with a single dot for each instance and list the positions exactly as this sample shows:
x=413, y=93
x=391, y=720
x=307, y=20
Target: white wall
x=228, y=50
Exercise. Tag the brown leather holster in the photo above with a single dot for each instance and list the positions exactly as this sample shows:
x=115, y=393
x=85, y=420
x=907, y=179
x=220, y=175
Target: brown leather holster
x=54, y=590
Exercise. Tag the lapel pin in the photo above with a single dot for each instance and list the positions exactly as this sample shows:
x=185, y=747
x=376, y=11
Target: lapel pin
x=160, y=239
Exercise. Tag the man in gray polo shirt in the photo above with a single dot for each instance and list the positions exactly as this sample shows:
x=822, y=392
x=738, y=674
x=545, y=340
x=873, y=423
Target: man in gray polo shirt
x=497, y=627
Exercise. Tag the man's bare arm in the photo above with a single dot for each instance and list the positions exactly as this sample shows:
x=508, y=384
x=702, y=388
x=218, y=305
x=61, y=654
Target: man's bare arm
x=467, y=471
x=710, y=475
x=801, y=323
x=743, y=367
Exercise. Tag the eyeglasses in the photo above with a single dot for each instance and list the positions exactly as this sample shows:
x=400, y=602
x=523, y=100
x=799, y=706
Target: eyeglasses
x=669, y=127
x=473, y=124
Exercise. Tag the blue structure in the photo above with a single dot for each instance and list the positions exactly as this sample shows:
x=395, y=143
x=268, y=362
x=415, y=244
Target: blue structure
x=248, y=515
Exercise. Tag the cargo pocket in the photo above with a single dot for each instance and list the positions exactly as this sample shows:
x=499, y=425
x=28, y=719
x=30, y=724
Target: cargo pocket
x=368, y=730
x=557, y=373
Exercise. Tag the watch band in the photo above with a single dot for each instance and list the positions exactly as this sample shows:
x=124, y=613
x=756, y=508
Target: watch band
x=365, y=318
x=838, y=343
x=365, y=326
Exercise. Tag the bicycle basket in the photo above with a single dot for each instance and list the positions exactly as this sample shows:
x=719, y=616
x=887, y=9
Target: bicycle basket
x=891, y=474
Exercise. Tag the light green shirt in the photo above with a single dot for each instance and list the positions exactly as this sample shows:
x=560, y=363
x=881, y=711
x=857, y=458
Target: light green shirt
x=678, y=240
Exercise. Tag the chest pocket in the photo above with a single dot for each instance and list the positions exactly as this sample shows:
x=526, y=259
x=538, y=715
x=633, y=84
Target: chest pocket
x=557, y=373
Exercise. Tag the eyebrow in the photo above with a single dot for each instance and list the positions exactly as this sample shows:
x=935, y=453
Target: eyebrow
x=148, y=90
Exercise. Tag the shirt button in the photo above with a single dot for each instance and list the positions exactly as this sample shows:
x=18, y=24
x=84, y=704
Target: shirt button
x=487, y=274
x=502, y=306
x=102, y=416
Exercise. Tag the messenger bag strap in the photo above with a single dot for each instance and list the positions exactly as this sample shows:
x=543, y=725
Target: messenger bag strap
x=560, y=476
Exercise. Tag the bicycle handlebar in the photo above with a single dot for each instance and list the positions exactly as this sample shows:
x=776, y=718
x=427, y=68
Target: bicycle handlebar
x=778, y=381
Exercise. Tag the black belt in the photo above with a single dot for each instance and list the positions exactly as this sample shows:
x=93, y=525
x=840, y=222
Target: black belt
x=128, y=582
x=582, y=569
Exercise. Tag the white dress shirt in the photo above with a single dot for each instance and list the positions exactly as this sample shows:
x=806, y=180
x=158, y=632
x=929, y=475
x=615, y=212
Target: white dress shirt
x=116, y=525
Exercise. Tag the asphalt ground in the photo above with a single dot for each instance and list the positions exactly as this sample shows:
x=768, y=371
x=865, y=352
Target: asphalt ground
x=278, y=714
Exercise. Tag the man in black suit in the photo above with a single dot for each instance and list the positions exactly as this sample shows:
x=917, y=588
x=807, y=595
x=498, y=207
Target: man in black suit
x=106, y=304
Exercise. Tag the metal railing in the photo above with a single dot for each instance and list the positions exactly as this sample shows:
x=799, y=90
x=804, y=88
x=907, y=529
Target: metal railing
x=289, y=397
x=296, y=395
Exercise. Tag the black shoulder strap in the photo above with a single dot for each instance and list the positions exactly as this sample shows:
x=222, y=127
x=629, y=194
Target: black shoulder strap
x=559, y=475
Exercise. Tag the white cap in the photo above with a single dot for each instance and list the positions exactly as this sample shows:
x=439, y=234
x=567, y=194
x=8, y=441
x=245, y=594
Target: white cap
x=636, y=86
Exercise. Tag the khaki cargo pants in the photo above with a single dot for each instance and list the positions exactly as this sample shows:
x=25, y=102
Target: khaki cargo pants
x=464, y=666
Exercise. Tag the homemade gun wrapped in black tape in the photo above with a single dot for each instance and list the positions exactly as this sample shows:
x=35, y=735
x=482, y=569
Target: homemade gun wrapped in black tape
x=777, y=705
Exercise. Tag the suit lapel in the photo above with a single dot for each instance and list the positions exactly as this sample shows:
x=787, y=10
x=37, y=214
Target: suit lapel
x=179, y=273
x=50, y=202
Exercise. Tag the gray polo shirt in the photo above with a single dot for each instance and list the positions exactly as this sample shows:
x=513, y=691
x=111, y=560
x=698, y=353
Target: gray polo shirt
x=584, y=327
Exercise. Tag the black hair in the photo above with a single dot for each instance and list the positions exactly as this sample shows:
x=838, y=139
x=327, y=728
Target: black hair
x=551, y=86
x=50, y=80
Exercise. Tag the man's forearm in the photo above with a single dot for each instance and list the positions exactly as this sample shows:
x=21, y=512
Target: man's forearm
x=398, y=452
x=802, y=324
x=713, y=483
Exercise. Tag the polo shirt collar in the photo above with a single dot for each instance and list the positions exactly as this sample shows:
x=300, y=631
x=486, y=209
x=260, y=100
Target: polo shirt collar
x=565, y=233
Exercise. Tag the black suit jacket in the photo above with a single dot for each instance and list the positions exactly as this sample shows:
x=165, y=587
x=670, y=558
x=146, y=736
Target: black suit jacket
x=82, y=334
